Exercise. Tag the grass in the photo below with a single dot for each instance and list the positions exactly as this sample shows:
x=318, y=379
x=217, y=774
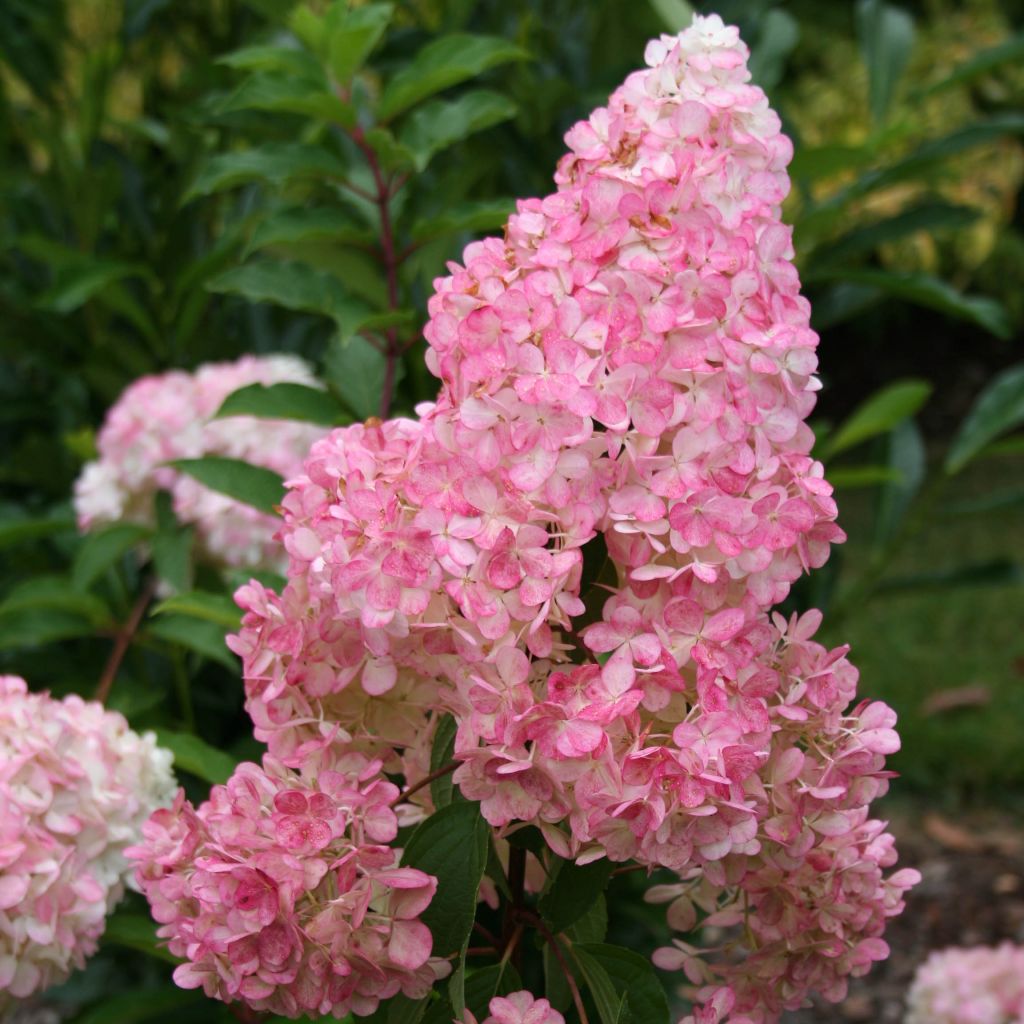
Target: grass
x=913, y=643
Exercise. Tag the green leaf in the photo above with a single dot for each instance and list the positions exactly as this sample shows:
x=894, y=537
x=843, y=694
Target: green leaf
x=20, y=528
x=35, y=627
x=451, y=845
x=100, y=550
x=357, y=371
x=440, y=754
x=276, y=163
x=999, y=572
x=441, y=64
x=850, y=477
x=987, y=503
x=172, y=548
x=286, y=59
x=998, y=409
x=306, y=224
x=287, y=284
x=288, y=94
x=204, y=638
x=284, y=401
x=633, y=976
x=135, y=931
x=573, y=892
x=252, y=485
x=480, y=215
x=779, y=33
x=676, y=14
x=139, y=1005
x=200, y=604
x=76, y=285
x=591, y=927
x=486, y=983
x=908, y=461
x=191, y=754
x=878, y=414
x=1009, y=52
x=611, y=1004
x=351, y=36
x=57, y=594
x=441, y=123
x=886, y=36
x=924, y=290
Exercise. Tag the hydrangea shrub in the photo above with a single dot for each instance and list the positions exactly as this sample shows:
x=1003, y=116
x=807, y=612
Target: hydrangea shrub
x=76, y=784
x=981, y=985
x=558, y=583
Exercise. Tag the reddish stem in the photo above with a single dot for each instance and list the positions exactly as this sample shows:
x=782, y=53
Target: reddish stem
x=122, y=641
x=433, y=776
x=556, y=951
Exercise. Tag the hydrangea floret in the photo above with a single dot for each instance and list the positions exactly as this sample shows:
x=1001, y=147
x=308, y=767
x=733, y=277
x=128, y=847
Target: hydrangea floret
x=76, y=785
x=170, y=416
x=981, y=985
x=576, y=550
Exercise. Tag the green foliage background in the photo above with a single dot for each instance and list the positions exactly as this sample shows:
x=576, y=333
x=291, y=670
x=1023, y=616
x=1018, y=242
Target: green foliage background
x=180, y=182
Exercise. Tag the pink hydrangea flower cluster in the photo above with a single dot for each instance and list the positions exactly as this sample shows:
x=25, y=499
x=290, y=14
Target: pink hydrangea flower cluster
x=518, y=1008
x=170, y=416
x=75, y=786
x=983, y=985
x=625, y=375
x=280, y=890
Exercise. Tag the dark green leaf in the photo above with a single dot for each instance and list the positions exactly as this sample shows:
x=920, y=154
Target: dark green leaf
x=611, y=1004
x=482, y=215
x=204, y=638
x=999, y=572
x=850, y=477
x=357, y=371
x=101, y=550
x=440, y=755
x=886, y=36
x=633, y=976
x=486, y=983
x=907, y=460
x=133, y=931
x=451, y=845
x=441, y=123
x=172, y=554
x=56, y=593
x=276, y=163
x=77, y=285
x=987, y=503
x=924, y=290
x=441, y=64
x=306, y=224
x=285, y=93
x=191, y=754
x=252, y=485
x=285, y=401
x=139, y=1005
x=573, y=892
x=286, y=59
x=17, y=530
x=1009, y=52
x=34, y=627
x=878, y=414
x=200, y=604
x=351, y=36
x=998, y=409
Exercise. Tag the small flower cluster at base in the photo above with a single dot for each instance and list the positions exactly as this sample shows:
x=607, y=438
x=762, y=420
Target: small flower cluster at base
x=280, y=890
x=517, y=1008
x=982, y=985
x=76, y=785
x=171, y=416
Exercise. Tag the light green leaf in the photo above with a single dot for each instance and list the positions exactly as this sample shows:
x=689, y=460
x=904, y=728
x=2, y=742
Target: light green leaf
x=998, y=409
x=100, y=550
x=778, y=35
x=252, y=485
x=283, y=401
x=352, y=33
x=288, y=94
x=440, y=754
x=204, y=638
x=201, y=604
x=357, y=371
x=276, y=163
x=611, y=1005
x=878, y=414
x=850, y=477
x=441, y=64
x=194, y=755
x=441, y=123
x=481, y=215
x=288, y=284
x=305, y=224
x=676, y=14
x=451, y=845
x=286, y=59
x=886, y=36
